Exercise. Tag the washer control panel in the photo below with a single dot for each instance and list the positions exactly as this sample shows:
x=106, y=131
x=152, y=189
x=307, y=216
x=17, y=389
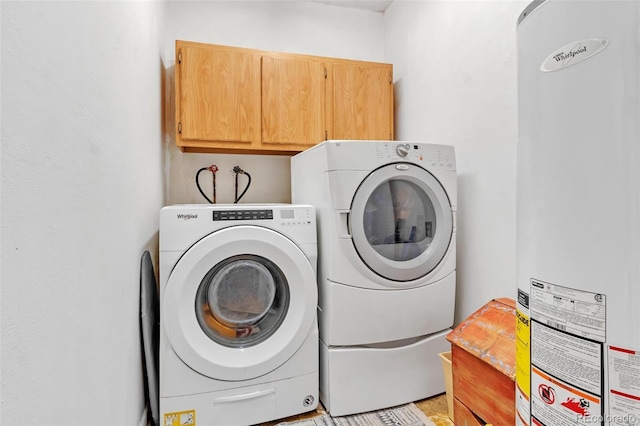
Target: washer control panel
x=296, y=216
x=286, y=216
x=242, y=215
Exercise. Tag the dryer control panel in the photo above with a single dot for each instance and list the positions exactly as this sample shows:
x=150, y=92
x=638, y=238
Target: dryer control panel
x=430, y=155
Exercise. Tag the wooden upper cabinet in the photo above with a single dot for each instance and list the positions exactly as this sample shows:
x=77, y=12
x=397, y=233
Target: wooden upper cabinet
x=216, y=99
x=237, y=100
x=293, y=101
x=362, y=101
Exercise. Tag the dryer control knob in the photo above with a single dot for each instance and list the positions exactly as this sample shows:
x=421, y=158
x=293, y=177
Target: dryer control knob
x=403, y=150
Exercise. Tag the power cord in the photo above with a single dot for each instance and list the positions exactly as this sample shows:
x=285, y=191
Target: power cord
x=238, y=171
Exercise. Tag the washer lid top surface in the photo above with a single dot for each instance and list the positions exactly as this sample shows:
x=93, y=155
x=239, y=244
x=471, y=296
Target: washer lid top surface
x=239, y=303
x=401, y=222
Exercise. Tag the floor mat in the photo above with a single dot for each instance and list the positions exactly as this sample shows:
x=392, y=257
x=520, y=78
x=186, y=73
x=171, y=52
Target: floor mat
x=404, y=415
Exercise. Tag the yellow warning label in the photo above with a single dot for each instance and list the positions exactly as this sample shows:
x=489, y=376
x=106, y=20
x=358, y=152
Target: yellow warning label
x=523, y=353
x=180, y=418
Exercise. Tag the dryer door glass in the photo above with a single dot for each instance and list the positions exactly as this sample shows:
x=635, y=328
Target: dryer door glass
x=242, y=301
x=401, y=222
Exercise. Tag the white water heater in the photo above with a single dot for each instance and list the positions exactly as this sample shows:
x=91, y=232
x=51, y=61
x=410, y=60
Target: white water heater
x=578, y=213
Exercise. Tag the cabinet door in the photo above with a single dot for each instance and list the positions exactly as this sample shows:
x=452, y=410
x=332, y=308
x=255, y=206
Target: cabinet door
x=293, y=101
x=362, y=101
x=218, y=94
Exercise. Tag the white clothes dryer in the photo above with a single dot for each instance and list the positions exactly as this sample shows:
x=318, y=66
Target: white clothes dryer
x=386, y=216
x=238, y=296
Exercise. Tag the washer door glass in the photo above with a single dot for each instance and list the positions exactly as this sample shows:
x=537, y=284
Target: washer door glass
x=242, y=301
x=401, y=222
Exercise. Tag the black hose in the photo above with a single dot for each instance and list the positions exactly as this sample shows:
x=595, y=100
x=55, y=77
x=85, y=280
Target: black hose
x=245, y=188
x=198, y=184
x=237, y=170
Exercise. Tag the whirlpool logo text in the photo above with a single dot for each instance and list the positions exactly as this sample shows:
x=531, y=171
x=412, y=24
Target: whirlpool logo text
x=562, y=56
x=573, y=53
x=187, y=216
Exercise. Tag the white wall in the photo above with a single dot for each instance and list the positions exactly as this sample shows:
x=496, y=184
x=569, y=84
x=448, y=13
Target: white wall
x=455, y=83
x=81, y=189
x=283, y=26
x=86, y=166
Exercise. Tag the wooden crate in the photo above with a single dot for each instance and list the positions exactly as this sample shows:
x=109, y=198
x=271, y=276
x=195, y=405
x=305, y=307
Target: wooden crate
x=483, y=352
x=464, y=416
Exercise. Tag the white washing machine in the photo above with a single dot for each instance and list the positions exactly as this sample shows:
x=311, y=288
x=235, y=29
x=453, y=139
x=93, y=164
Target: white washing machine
x=238, y=296
x=386, y=215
